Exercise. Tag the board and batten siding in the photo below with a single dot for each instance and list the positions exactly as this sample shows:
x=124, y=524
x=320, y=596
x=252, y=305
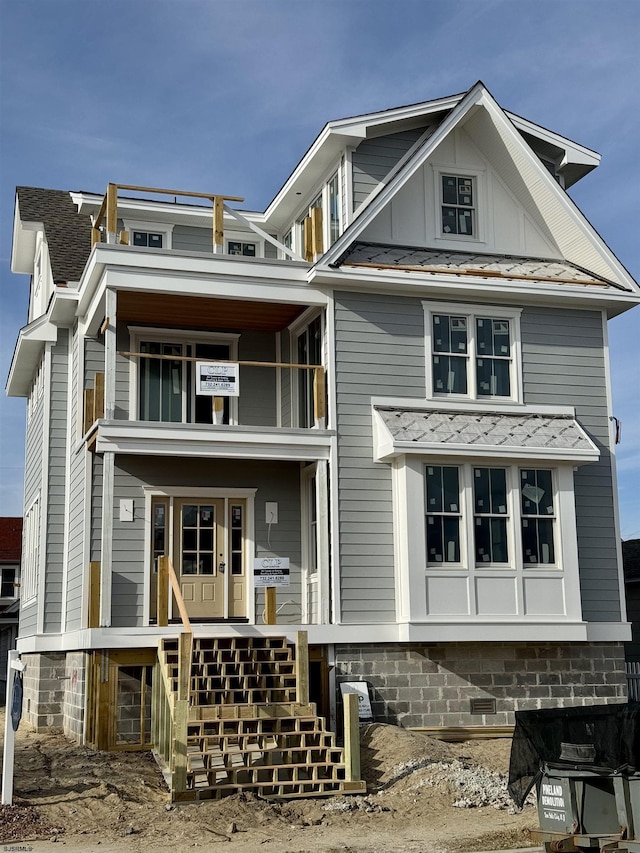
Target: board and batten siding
x=56, y=493
x=563, y=364
x=76, y=509
x=274, y=481
x=379, y=346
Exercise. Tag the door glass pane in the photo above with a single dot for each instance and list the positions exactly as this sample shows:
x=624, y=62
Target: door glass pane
x=203, y=406
x=197, y=539
x=160, y=383
x=237, y=536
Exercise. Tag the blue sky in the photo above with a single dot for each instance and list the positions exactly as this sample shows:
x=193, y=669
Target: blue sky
x=225, y=97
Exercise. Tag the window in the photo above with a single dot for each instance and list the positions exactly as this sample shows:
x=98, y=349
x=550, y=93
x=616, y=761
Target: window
x=30, y=551
x=506, y=528
x=474, y=352
x=150, y=239
x=458, y=205
x=309, y=351
x=333, y=205
x=328, y=199
x=236, y=247
x=166, y=389
x=37, y=391
x=8, y=582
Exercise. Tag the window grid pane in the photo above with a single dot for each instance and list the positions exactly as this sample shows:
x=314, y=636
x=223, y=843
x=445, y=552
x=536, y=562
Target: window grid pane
x=450, y=349
x=198, y=539
x=443, y=514
x=457, y=205
x=493, y=357
x=538, y=515
x=491, y=519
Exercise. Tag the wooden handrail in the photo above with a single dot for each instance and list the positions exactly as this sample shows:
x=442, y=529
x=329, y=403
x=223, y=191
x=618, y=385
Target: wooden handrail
x=286, y=364
x=166, y=575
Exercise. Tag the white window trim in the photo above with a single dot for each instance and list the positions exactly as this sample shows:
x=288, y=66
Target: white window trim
x=480, y=207
x=321, y=189
x=410, y=512
x=244, y=237
x=295, y=330
x=471, y=312
x=200, y=493
x=309, y=579
x=31, y=552
x=151, y=333
x=164, y=228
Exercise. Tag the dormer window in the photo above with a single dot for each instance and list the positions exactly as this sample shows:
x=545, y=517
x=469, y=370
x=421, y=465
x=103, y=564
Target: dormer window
x=151, y=239
x=458, y=210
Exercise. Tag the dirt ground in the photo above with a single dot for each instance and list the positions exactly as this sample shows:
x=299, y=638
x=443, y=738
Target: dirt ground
x=423, y=795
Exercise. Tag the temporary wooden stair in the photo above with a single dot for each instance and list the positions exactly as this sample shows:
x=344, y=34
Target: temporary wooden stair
x=246, y=722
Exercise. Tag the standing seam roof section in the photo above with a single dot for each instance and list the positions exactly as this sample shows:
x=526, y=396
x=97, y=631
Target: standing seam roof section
x=68, y=233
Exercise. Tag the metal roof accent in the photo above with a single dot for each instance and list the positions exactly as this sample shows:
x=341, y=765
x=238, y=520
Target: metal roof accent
x=487, y=429
x=68, y=233
x=434, y=261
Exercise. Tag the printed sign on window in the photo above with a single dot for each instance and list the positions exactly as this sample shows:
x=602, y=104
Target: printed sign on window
x=217, y=379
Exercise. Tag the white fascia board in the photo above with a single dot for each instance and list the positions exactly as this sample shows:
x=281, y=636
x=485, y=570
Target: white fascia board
x=233, y=442
x=23, y=246
x=29, y=346
x=440, y=285
x=574, y=152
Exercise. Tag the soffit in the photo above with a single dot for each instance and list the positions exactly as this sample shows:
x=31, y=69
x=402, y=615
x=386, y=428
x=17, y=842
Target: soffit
x=204, y=313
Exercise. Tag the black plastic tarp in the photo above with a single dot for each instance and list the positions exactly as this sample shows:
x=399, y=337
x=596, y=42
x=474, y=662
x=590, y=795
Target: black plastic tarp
x=601, y=738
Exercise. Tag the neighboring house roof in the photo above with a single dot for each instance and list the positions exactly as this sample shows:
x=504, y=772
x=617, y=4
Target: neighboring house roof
x=10, y=539
x=437, y=262
x=631, y=560
x=434, y=430
x=68, y=233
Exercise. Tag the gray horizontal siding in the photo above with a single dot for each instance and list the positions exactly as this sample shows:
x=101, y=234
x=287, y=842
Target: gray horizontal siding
x=274, y=481
x=373, y=159
x=375, y=336
x=75, y=552
x=257, y=402
x=187, y=238
x=56, y=506
x=563, y=364
x=123, y=366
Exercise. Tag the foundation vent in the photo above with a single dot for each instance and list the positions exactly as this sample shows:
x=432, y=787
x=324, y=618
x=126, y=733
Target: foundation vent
x=483, y=706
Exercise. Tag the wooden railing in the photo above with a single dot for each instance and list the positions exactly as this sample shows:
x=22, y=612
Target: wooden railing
x=319, y=380
x=108, y=214
x=170, y=711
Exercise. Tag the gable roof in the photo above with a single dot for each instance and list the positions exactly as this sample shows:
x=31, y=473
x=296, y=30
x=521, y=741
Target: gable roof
x=68, y=233
x=578, y=241
x=10, y=539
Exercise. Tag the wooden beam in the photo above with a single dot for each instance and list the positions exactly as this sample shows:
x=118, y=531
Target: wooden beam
x=319, y=394
x=223, y=360
x=179, y=757
x=112, y=208
x=96, y=236
x=316, y=232
x=218, y=221
x=302, y=667
x=123, y=238
x=94, y=595
x=270, y=615
x=98, y=396
x=88, y=410
x=163, y=592
x=308, y=240
x=184, y=193
x=351, y=737
x=104, y=326
x=185, y=654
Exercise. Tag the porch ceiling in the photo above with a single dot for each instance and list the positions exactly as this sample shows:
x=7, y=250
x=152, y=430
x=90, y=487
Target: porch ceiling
x=193, y=312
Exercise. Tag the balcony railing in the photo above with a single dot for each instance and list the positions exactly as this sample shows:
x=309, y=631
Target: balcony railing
x=108, y=214
x=94, y=400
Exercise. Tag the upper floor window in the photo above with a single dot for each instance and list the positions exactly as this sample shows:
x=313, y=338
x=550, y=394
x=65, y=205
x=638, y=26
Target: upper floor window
x=30, y=551
x=474, y=351
x=328, y=200
x=458, y=211
x=237, y=247
x=147, y=238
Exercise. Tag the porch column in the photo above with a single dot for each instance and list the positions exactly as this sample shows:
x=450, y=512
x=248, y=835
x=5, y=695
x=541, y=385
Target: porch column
x=108, y=469
x=324, y=573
